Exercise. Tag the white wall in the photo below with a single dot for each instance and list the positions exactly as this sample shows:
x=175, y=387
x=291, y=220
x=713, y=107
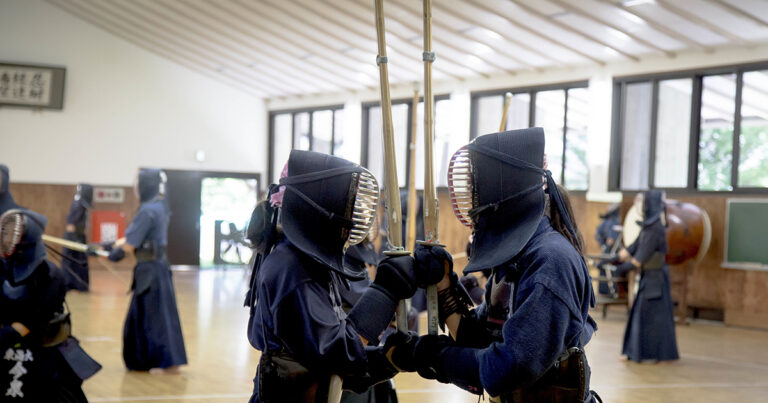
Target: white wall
x=124, y=107
x=600, y=92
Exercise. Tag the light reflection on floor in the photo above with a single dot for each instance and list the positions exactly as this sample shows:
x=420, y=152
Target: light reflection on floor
x=719, y=363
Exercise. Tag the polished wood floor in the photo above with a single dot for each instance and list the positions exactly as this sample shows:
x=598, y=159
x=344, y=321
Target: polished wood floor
x=718, y=364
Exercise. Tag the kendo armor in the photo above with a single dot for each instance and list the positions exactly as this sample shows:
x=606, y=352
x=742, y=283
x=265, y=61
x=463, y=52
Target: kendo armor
x=497, y=187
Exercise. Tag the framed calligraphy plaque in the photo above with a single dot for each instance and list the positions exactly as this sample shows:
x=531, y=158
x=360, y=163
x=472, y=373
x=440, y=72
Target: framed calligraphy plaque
x=32, y=86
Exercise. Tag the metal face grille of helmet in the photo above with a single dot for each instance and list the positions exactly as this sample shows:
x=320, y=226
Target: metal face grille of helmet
x=460, y=185
x=364, y=208
x=11, y=229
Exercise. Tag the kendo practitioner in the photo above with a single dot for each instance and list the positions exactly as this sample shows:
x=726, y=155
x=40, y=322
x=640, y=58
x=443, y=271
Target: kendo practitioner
x=75, y=264
x=6, y=199
x=525, y=343
x=608, y=236
x=296, y=316
x=650, y=332
x=40, y=361
x=152, y=338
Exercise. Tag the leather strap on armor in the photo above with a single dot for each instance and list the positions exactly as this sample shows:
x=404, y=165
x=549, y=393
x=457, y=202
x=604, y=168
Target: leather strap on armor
x=453, y=299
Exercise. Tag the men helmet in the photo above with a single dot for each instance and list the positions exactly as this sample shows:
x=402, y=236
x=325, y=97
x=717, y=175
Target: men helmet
x=151, y=184
x=84, y=195
x=21, y=243
x=497, y=189
x=6, y=200
x=329, y=205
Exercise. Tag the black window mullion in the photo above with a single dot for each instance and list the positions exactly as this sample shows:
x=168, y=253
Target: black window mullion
x=654, y=124
x=693, y=145
x=565, y=130
x=735, y=153
x=311, y=130
x=532, y=109
x=333, y=132
x=364, y=133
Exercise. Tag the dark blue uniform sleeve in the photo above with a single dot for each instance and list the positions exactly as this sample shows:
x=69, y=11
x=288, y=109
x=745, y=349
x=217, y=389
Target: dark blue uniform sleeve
x=139, y=228
x=600, y=234
x=306, y=322
x=647, y=244
x=76, y=213
x=534, y=336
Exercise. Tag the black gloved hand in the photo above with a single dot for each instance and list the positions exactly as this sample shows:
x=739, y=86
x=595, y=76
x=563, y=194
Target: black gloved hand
x=9, y=336
x=422, y=355
x=431, y=264
x=116, y=255
x=395, y=274
x=399, y=349
x=107, y=245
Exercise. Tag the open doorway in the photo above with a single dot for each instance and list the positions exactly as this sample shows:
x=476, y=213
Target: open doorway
x=225, y=209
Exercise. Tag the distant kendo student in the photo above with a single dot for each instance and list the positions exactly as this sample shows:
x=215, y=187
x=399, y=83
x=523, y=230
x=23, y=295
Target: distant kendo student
x=74, y=263
x=152, y=338
x=525, y=343
x=324, y=205
x=40, y=361
x=609, y=238
x=650, y=333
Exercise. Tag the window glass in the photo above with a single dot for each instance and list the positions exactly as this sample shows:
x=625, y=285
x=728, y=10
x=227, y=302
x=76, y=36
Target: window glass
x=346, y=144
x=636, y=136
x=281, y=144
x=489, y=110
x=322, y=131
x=753, y=140
x=716, y=132
x=577, y=170
x=376, y=145
x=550, y=112
x=519, y=112
x=673, y=131
x=301, y=131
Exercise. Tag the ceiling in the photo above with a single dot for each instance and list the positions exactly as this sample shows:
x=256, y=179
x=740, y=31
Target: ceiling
x=278, y=48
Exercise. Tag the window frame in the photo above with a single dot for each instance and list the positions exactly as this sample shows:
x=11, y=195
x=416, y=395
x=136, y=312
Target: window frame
x=696, y=76
x=531, y=91
x=365, y=123
x=293, y=112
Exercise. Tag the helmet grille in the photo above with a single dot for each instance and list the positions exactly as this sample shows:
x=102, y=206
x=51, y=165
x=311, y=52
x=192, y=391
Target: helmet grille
x=364, y=210
x=460, y=185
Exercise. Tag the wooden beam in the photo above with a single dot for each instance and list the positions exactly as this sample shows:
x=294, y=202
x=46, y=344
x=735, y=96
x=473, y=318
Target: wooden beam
x=482, y=5
x=484, y=24
x=680, y=12
x=444, y=43
x=599, y=20
x=274, y=72
x=443, y=26
x=265, y=54
x=573, y=31
x=344, y=13
x=660, y=27
x=457, y=53
x=115, y=27
x=153, y=24
x=275, y=48
x=320, y=51
x=741, y=12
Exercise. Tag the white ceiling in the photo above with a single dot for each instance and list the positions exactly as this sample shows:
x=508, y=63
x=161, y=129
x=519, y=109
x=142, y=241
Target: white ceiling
x=275, y=48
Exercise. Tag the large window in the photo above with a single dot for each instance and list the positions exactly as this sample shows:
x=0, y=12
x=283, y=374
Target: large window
x=561, y=110
x=697, y=130
x=316, y=129
x=447, y=139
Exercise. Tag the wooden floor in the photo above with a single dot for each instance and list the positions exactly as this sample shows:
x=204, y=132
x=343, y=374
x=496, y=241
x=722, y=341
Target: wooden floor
x=718, y=364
